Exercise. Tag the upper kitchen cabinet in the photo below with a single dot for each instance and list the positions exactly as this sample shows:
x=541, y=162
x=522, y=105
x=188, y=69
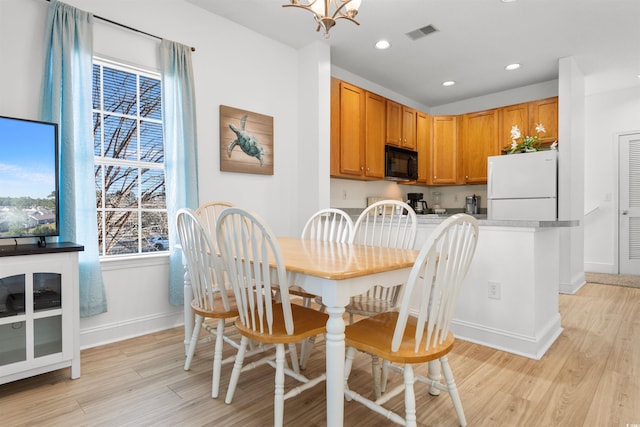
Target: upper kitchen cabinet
x=512, y=115
x=478, y=141
x=401, y=125
x=423, y=136
x=357, y=132
x=527, y=116
x=374, y=135
x=545, y=112
x=444, y=151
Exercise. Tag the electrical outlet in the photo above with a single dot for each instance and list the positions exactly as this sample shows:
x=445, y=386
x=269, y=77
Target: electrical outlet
x=494, y=290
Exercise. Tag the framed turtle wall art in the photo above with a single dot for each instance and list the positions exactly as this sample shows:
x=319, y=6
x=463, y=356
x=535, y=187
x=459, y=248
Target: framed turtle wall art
x=246, y=141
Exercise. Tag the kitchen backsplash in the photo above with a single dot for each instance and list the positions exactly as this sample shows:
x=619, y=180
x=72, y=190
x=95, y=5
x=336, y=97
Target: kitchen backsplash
x=347, y=193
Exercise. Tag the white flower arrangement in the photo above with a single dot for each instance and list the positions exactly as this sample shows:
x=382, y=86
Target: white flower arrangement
x=529, y=143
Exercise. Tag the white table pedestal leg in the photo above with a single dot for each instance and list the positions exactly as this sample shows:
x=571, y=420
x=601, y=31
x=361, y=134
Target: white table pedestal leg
x=335, y=350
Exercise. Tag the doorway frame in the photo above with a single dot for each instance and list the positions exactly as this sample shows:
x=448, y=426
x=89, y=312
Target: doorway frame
x=616, y=196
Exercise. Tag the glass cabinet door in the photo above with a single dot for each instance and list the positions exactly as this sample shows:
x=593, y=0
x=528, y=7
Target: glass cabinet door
x=47, y=323
x=13, y=335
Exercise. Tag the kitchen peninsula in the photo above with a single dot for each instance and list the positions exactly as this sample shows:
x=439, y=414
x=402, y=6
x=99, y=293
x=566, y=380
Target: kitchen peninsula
x=509, y=299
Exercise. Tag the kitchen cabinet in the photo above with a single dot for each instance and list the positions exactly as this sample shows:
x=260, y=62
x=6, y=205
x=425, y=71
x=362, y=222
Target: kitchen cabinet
x=478, y=141
x=527, y=116
x=512, y=115
x=444, y=151
x=39, y=310
x=423, y=138
x=545, y=112
x=357, y=132
x=348, y=131
x=374, y=135
x=401, y=125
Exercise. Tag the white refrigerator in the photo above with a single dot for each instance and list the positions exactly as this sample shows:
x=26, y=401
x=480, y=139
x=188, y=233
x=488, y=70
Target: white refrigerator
x=523, y=186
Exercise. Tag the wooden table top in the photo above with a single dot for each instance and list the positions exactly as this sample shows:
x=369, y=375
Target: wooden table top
x=338, y=261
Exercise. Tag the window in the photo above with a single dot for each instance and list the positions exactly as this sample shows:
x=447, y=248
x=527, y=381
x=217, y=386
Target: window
x=129, y=156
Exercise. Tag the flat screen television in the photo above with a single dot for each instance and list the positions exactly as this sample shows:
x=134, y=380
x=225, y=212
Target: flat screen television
x=29, y=187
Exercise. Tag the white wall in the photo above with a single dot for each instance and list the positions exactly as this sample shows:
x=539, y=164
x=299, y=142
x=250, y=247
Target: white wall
x=232, y=66
x=607, y=114
x=571, y=131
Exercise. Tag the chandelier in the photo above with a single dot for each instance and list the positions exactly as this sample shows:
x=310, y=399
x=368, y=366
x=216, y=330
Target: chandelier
x=324, y=16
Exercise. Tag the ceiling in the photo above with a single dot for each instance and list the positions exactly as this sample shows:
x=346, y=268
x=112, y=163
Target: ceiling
x=475, y=40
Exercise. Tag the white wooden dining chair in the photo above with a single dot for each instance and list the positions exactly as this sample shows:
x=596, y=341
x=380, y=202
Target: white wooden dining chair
x=254, y=263
x=387, y=223
x=208, y=213
x=328, y=225
x=211, y=298
x=419, y=332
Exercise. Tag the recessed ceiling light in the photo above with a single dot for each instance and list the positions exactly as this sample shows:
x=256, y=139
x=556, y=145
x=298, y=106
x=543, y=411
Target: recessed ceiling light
x=512, y=67
x=383, y=44
x=448, y=83
x=508, y=1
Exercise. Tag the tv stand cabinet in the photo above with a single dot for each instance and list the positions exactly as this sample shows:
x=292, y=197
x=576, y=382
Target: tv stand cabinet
x=39, y=310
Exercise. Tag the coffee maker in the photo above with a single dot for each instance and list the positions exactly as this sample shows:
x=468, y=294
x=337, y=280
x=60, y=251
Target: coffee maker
x=418, y=205
x=472, y=205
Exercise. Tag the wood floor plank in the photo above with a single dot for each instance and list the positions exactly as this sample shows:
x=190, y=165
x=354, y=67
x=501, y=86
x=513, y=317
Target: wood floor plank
x=589, y=377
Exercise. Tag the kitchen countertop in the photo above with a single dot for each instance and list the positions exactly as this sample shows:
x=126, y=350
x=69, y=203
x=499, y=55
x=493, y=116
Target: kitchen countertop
x=483, y=221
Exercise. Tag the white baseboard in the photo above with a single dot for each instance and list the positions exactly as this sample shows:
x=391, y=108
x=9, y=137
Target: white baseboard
x=577, y=282
x=599, y=267
x=119, y=331
x=524, y=345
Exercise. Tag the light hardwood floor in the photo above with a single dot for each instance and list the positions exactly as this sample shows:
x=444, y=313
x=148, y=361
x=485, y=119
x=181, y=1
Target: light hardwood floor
x=589, y=377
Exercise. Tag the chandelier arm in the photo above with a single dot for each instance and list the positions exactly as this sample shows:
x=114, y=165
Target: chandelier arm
x=341, y=13
x=327, y=22
x=348, y=19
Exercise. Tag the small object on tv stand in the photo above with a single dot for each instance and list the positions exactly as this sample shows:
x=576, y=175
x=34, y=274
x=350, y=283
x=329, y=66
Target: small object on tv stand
x=42, y=242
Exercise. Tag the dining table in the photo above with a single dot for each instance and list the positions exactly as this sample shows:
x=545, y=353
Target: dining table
x=336, y=272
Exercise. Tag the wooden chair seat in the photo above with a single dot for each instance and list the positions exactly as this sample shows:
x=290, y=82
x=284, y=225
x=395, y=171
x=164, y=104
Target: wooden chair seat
x=218, y=311
x=308, y=322
x=373, y=335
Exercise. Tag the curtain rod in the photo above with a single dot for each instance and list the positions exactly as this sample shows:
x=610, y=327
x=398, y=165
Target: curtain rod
x=193, y=49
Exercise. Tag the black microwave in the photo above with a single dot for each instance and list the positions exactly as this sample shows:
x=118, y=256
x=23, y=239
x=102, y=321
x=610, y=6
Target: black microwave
x=400, y=164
